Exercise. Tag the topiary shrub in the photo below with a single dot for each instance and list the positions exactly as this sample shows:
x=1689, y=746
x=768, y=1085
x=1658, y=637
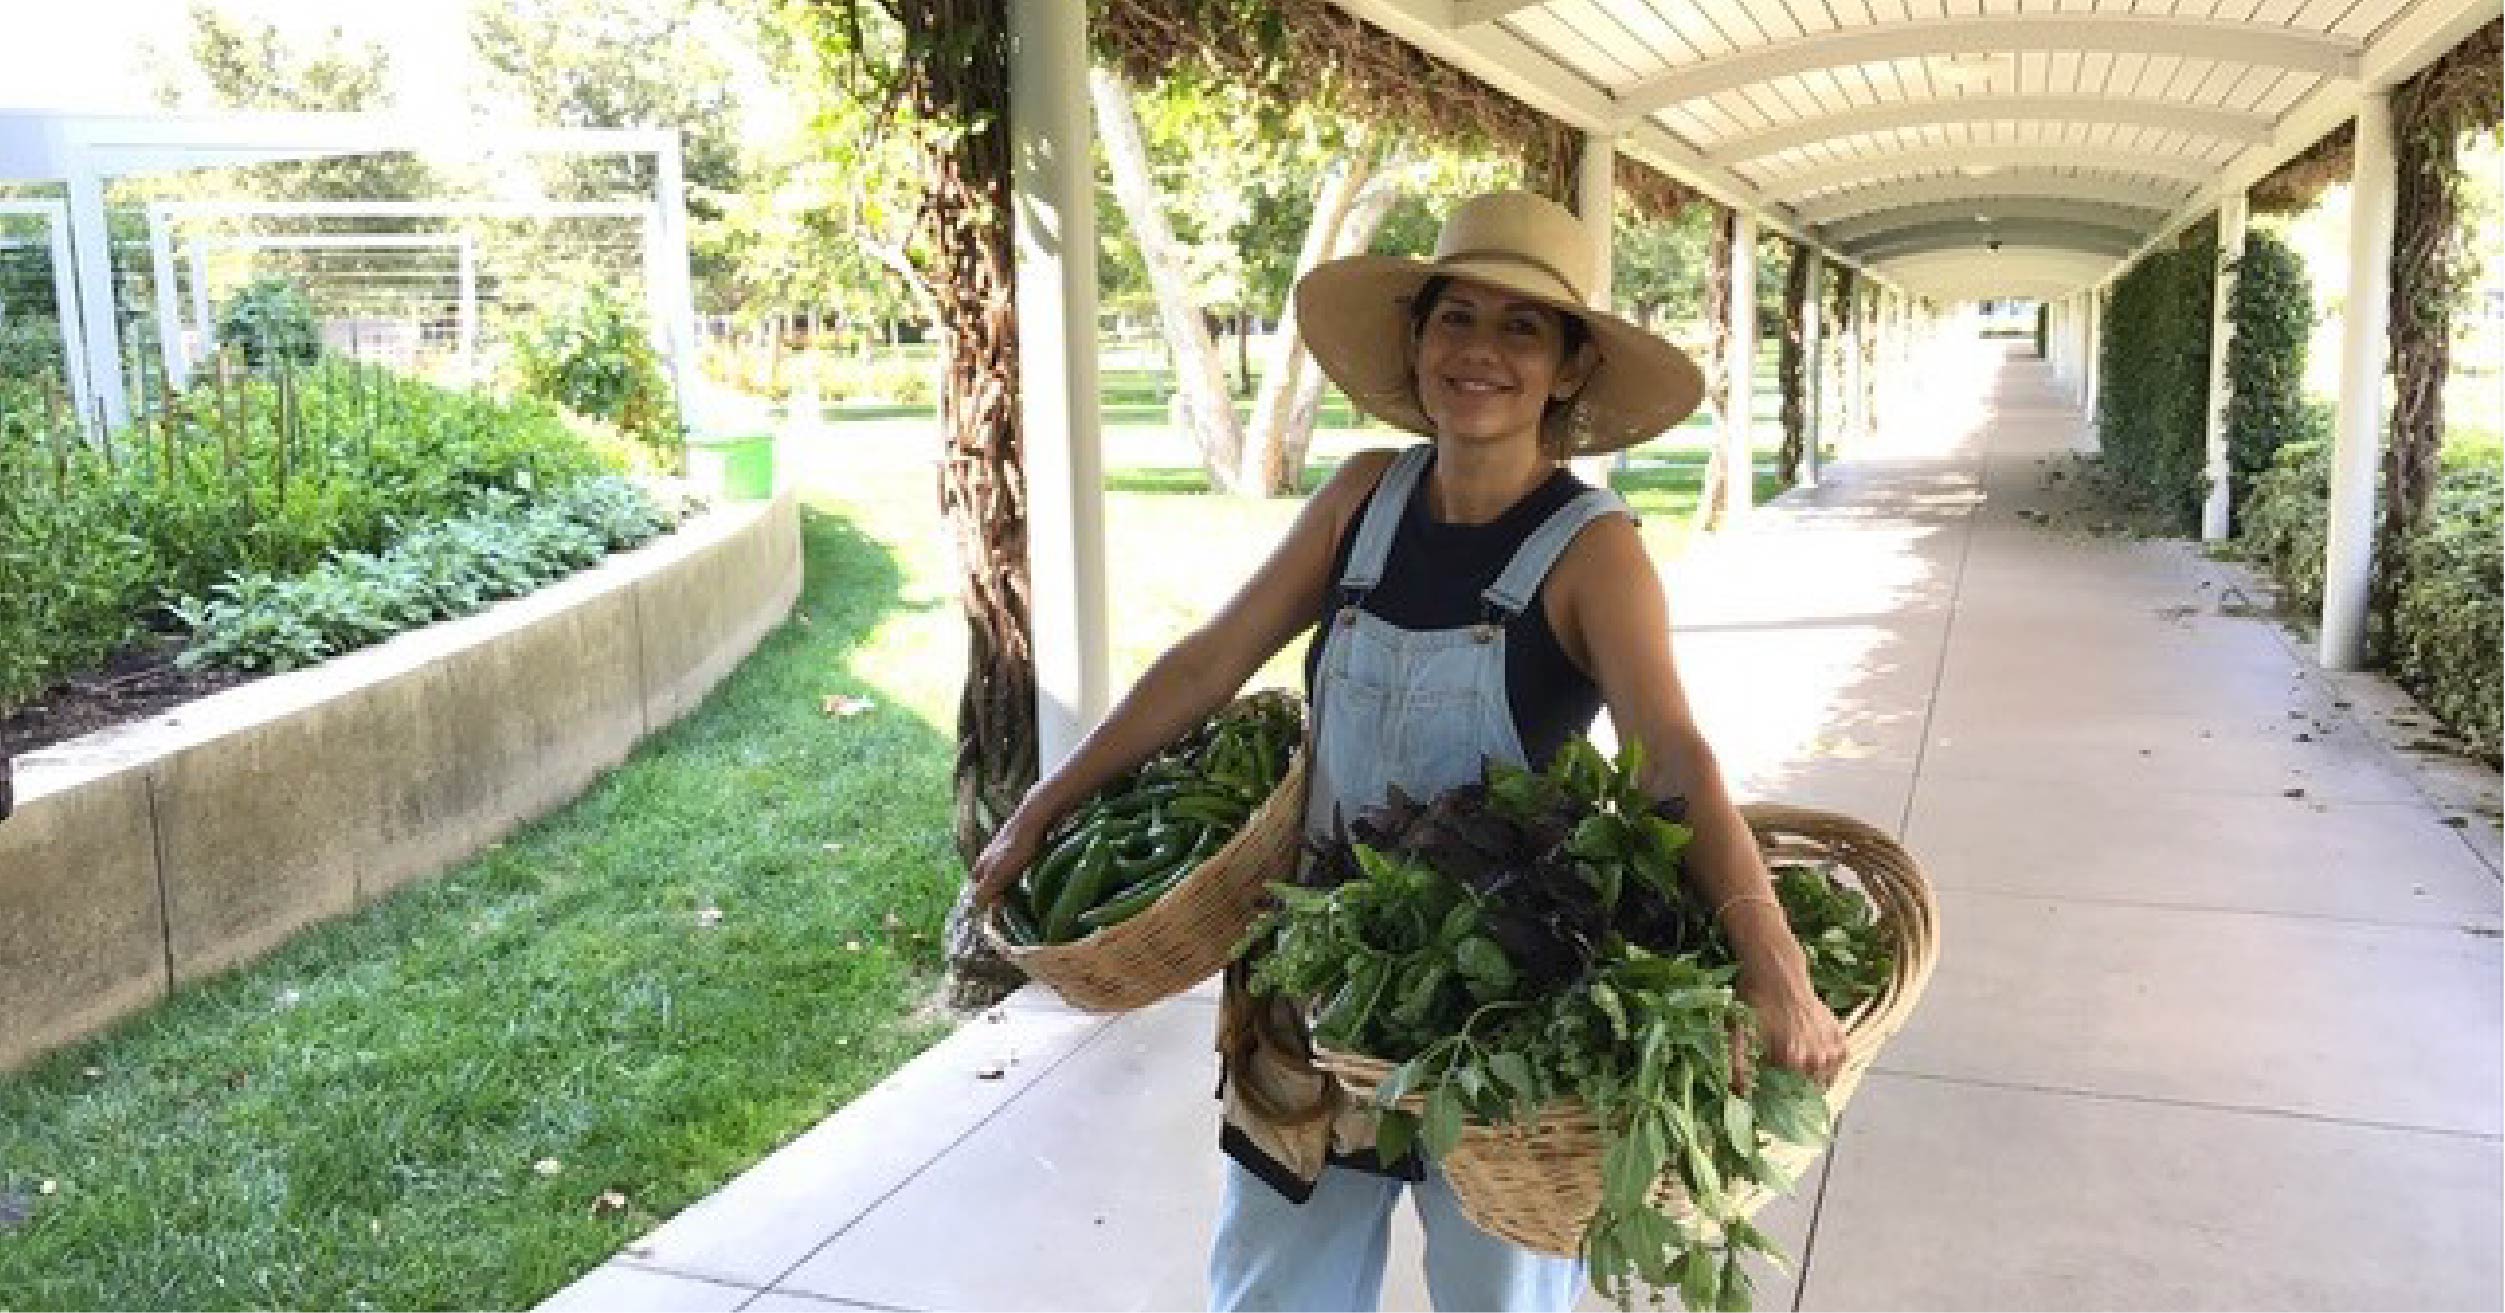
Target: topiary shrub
x=2273, y=311
x=2151, y=420
x=270, y=321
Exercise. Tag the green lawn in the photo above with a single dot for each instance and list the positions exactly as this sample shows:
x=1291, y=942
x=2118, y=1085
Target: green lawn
x=359, y=1120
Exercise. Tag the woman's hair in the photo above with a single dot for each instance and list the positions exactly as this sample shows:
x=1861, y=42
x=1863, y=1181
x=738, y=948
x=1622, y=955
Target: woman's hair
x=1570, y=327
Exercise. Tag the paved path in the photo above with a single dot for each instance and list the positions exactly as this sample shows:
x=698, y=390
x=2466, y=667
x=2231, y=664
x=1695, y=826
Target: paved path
x=2217, y=1022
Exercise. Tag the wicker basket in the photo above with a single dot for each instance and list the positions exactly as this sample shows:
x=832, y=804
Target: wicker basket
x=1539, y=1185
x=1189, y=934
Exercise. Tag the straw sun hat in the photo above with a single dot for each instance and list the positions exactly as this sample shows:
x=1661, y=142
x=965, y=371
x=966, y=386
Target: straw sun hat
x=1354, y=313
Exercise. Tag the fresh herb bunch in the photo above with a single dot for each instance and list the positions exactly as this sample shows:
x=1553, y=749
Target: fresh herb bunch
x=1531, y=938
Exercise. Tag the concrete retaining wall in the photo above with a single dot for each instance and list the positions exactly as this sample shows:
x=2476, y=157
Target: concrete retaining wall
x=162, y=851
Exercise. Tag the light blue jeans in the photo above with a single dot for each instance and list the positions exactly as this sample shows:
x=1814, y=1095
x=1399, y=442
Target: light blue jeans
x=1328, y=1252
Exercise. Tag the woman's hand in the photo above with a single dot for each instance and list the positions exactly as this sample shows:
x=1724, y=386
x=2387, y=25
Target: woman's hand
x=1013, y=848
x=1800, y=1031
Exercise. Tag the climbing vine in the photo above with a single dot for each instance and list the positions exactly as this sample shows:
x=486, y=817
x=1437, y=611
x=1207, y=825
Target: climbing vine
x=2152, y=418
x=1791, y=365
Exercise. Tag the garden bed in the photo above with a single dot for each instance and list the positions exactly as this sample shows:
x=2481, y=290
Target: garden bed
x=168, y=849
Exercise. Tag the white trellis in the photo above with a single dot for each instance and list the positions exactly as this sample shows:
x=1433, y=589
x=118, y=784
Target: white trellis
x=82, y=153
x=56, y=221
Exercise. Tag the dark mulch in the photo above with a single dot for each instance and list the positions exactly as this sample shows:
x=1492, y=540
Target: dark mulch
x=141, y=681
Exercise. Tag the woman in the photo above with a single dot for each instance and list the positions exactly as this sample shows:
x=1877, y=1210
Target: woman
x=1471, y=598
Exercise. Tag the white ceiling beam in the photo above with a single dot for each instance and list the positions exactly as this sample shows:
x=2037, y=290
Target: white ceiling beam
x=2008, y=182
x=1994, y=209
x=2417, y=38
x=1977, y=237
x=2257, y=44
x=1958, y=266
x=1805, y=183
x=2172, y=116
x=1467, y=13
x=1511, y=65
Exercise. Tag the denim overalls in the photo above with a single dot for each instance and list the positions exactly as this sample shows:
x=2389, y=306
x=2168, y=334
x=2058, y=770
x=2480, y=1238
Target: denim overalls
x=1419, y=709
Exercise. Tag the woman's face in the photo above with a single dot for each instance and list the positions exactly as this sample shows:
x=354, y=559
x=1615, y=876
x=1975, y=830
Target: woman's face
x=1488, y=362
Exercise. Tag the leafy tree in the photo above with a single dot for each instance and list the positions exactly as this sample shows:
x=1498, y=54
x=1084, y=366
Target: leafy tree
x=232, y=63
x=1660, y=265
x=621, y=64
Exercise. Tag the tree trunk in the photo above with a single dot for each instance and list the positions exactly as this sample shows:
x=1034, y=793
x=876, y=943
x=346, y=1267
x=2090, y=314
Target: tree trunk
x=1708, y=512
x=982, y=473
x=1267, y=470
x=1200, y=377
x=1356, y=233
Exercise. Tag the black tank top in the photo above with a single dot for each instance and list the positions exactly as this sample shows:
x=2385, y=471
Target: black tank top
x=1432, y=580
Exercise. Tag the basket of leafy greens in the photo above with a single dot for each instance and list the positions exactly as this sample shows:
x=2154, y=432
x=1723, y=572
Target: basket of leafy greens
x=1516, y=976
x=1146, y=889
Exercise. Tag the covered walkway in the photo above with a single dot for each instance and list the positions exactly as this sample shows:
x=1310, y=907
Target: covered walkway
x=2216, y=1022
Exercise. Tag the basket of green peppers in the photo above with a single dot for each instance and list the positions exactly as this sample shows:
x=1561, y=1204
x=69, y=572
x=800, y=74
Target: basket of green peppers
x=1146, y=889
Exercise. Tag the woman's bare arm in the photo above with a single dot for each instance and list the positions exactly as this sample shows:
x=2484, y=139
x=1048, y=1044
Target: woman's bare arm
x=1198, y=674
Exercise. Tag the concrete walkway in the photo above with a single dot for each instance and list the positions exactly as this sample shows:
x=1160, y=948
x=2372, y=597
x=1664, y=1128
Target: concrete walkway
x=2216, y=1025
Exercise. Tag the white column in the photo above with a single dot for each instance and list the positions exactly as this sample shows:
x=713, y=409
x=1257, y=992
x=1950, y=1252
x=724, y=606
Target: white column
x=2348, y=557
x=1055, y=204
x=670, y=287
x=1739, y=465
x=92, y=244
x=468, y=321
x=202, y=321
x=66, y=309
x=1811, y=319
x=162, y=274
x=1856, y=409
x=1595, y=201
x=2215, y=511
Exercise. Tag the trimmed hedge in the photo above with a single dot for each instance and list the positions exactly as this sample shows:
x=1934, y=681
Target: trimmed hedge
x=2151, y=416
x=2273, y=311
x=2442, y=643
x=2451, y=607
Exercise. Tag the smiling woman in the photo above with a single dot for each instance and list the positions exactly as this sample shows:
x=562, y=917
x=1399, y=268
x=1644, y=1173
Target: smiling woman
x=1469, y=600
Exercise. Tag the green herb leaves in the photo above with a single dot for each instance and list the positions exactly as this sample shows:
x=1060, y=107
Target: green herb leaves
x=1529, y=942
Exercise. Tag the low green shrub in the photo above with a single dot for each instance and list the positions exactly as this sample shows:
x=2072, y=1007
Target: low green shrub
x=2451, y=607
x=74, y=580
x=595, y=358
x=2449, y=600
x=506, y=547
x=2273, y=310
x=2286, y=521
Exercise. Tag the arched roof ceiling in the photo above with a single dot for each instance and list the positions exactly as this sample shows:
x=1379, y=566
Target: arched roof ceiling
x=2089, y=128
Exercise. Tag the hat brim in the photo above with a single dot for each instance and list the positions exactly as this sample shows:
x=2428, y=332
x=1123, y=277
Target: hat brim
x=1354, y=315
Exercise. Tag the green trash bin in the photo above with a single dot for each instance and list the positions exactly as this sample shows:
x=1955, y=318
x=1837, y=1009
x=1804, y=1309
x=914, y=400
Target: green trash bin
x=733, y=468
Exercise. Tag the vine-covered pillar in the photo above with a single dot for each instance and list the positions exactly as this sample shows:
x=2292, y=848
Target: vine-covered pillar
x=2214, y=509
x=957, y=78
x=1856, y=340
x=1791, y=367
x=2348, y=552
x=1812, y=377
x=1055, y=223
x=1595, y=202
x=1740, y=364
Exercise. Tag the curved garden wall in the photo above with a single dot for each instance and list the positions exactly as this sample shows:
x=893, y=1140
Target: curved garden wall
x=159, y=852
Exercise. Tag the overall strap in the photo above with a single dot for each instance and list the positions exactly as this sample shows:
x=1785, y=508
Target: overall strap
x=1383, y=512
x=1512, y=590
